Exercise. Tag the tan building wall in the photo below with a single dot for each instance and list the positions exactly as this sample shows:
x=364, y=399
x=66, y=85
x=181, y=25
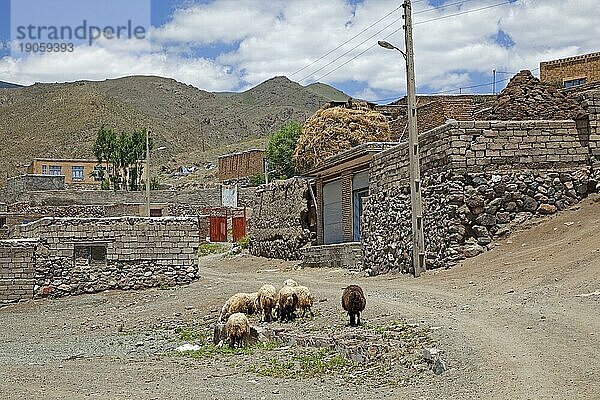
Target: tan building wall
x=559, y=72
x=241, y=165
x=74, y=170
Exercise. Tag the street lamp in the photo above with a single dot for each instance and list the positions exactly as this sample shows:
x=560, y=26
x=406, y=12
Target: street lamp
x=413, y=145
x=148, y=170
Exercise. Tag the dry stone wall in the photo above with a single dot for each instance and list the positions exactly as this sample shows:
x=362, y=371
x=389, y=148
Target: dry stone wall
x=277, y=228
x=479, y=178
x=463, y=214
x=85, y=255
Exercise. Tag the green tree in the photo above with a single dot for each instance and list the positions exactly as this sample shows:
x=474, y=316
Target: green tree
x=104, y=149
x=281, y=147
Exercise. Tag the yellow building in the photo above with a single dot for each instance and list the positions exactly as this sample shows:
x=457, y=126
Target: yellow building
x=75, y=171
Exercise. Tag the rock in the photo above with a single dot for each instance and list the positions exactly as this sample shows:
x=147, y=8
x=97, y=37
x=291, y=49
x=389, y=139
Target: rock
x=479, y=231
x=472, y=250
x=547, y=209
x=529, y=204
x=486, y=219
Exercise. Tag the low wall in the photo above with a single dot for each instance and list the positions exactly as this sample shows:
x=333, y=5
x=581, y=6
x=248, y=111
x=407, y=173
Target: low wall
x=29, y=182
x=85, y=255
x=343, y=255
x=278, y=227
x=17, y=270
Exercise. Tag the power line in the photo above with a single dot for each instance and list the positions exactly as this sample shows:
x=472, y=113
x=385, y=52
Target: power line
x=397, y=30
x=347, y=41
x=370, y=37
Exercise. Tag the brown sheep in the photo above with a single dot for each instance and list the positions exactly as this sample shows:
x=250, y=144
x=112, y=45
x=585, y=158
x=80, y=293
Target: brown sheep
x=266, y=301
x=305, y=300
x=286, y=304
x=238, y=330
x=239, y=302
x=353, y=301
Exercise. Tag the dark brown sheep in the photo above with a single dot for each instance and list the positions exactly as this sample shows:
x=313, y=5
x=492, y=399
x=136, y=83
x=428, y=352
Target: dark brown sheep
x=353, y=301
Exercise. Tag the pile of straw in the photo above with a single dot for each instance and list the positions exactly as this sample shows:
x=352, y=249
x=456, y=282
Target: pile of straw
x=333, y=129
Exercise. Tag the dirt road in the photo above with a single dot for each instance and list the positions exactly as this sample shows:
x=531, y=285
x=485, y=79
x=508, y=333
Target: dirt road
x=519, y=322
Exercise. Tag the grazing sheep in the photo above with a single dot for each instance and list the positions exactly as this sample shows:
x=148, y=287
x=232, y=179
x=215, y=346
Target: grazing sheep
x=286, y=304
x=305, y=300
x=290, y=282
x=266, y=301
x=353, y=301
x=238, y=330
x=239, y=302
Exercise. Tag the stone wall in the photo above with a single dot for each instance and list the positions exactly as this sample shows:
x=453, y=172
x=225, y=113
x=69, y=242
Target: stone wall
x=209, y=197
x=278, y=227
x=557, y=71
x=590, y=100
x=24, y=183
x=85, y=255
x=241, y=165
x=478, y=178
x=17, y=270
x=463, y=213
x=342, y=255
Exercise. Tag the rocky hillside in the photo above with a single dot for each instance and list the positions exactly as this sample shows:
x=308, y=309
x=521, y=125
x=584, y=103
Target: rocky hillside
x=61, y=120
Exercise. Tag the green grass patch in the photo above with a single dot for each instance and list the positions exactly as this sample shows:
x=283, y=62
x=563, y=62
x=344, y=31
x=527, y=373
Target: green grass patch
x=188, y=334
x=306, y=364
x=209, y=350
x=205, y=249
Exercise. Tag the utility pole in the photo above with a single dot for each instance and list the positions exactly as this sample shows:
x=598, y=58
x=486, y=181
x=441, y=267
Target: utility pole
x=494, y=80
x=266, y=168
x=413, y=148
x=148, y=172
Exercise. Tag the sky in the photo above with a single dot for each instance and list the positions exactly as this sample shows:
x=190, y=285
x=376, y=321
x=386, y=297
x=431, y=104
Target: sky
x=232, y=45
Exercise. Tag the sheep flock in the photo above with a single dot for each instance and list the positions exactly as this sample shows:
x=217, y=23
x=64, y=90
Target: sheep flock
x=285, y=304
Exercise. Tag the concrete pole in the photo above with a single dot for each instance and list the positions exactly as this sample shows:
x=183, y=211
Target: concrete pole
x=148, y=172
x=413, y=149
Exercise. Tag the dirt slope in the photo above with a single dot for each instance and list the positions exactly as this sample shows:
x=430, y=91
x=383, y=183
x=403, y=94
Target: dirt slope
x=518, y=322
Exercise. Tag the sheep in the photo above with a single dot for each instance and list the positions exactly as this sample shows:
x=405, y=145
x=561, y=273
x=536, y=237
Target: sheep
x=305, y=300
x=353, y=301
x=266, y=301
x=290, y=282
x=238, y=330
x=239, y=302
x=286, y=303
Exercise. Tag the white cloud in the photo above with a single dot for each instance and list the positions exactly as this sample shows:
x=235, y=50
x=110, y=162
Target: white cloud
x=279, y=37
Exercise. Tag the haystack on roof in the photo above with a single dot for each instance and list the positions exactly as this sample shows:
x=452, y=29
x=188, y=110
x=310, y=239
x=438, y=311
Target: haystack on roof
x=527, y=98
x=335, y=128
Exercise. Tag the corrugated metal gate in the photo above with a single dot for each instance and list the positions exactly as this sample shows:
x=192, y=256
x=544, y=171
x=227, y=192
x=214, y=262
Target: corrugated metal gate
x=239, y=224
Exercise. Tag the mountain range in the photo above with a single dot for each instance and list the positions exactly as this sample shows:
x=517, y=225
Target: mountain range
x=60, y=120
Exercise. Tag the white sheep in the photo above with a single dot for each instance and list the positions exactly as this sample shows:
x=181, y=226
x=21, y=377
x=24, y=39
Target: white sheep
x=305, y=300
x=286, y=303
x=238, y=330
x=239, y=302
x=266, y=301
x=290, y=282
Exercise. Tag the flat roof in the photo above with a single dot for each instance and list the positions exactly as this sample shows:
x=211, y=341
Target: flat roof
x=66, y=160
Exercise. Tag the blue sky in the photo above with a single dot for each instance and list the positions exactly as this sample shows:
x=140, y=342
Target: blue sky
x=227, y=45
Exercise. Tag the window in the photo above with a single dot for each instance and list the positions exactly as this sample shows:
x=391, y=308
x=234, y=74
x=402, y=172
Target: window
x=2, y=222
x=99, y=173
x=44, y=169
x=55, y=170
x=89, y=254
x=156, y=212
x=574, y=82
x=77, y=173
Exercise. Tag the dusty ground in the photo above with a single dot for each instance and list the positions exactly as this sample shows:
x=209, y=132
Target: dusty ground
x=519, y=322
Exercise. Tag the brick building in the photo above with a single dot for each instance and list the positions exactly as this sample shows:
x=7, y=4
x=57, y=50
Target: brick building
x=241, y=165
x=571, y=71
x=75, y=171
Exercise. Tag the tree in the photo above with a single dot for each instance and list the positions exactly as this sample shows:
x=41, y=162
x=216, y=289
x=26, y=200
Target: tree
x=281, y=147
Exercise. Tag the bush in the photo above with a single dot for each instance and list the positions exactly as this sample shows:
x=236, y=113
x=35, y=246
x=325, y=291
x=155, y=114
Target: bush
x=281, y=147
x=244, y=242
x=211, y=248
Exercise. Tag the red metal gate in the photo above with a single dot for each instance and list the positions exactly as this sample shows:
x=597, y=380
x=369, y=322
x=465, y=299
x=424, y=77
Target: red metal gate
x=239, y=225
x=218, y=224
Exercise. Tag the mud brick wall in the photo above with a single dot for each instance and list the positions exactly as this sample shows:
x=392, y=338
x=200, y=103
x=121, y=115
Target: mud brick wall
x=557, y=71
x=277, y=228
x=17, y=260
x=241, y=165
x=138, y=253
x=25, y=183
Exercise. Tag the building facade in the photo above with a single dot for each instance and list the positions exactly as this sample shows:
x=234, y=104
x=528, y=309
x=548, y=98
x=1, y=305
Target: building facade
x=75, y=171
x=571, y=71
x=241, y=165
